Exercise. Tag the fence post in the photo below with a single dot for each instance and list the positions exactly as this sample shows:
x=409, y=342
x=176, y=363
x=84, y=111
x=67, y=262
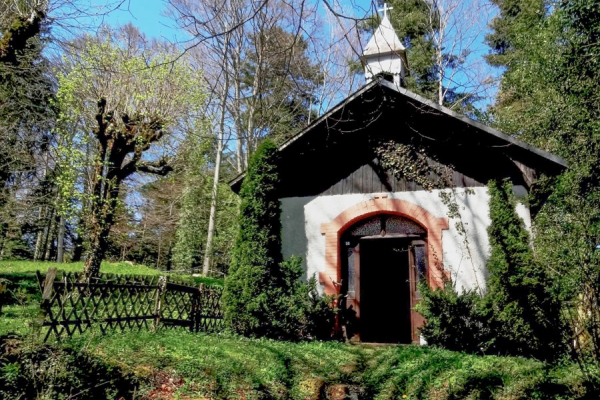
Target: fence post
x=47, y=288
x=160, y=294
x=195, y=320
x=3, y=290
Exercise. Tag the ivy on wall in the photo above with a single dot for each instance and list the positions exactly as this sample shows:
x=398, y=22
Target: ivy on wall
x=410, y=162
x=417, y=163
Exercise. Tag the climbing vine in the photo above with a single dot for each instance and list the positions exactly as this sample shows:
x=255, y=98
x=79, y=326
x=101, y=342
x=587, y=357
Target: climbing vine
x=410, y=162
x=417, y=163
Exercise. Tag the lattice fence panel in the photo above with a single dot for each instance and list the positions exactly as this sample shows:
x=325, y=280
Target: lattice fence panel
x=210, y=313
x=126, y=302
x=109, y=302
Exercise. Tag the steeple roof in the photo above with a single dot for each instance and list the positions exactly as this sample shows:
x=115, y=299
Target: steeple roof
x=384, y=40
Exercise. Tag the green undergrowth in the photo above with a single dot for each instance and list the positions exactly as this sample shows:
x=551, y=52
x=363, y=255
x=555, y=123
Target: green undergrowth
x=178, y=363
x=22, y=283
x=121, y=268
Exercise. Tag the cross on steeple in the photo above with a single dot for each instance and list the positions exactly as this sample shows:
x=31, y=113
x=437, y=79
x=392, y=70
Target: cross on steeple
x=385, y=9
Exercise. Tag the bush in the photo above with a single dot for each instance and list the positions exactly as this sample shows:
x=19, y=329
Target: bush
x=454, y=320
x=263, y=295
x=517, y=315
x=298, y=311
x=36, y=371
x=523, y=315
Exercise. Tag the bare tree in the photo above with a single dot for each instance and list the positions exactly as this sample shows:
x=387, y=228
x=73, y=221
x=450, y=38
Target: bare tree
x=456, y=28
x=265, y=63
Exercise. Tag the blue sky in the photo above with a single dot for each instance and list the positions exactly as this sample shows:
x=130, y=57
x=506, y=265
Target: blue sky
x=148, y=16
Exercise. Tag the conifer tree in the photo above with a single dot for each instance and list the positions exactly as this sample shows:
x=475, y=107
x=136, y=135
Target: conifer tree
x=256, y=257
x=522, y=315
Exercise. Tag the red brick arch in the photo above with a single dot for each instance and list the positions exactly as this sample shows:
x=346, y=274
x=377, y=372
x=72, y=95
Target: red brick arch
x=381, y=205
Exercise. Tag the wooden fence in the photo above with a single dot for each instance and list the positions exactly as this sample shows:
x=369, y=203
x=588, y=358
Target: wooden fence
x=124, y=302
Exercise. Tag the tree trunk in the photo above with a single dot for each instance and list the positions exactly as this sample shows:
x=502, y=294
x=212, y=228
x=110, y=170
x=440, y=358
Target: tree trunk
x=250, y=143
x=213, y=202
x=3, y=232
x=47, y=236
x=101, y=222
x=78, y=244
x=50, y=243
x=39, y=237
x=60, y=252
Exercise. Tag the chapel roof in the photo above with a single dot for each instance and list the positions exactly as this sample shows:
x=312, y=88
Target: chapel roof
x=336, y=143
x=384, y=40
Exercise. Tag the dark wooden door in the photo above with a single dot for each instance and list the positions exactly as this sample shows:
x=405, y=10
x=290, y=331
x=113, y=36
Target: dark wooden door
x=385, y=291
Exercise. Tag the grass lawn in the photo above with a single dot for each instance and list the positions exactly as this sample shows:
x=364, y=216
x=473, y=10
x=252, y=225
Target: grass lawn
x=121, y=268
x=21, y=267
x=177, y=364
x=222, y=366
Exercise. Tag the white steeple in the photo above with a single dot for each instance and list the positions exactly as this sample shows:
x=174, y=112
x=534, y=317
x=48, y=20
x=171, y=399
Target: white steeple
x=385, y=54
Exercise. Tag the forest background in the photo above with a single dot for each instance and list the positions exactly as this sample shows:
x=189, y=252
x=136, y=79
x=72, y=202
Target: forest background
x=230, y=73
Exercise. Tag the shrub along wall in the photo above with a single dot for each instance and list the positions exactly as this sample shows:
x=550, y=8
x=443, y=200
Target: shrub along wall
x=263, y=294
x=517, y=315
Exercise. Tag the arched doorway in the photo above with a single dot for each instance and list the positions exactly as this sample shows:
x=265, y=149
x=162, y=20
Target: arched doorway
x=427, y=252
x=383, y=259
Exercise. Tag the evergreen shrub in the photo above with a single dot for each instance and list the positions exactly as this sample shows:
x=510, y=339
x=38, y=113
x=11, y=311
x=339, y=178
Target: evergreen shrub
x=517, y=315
x=454, y=320
x=264, y=295
x=522, y=313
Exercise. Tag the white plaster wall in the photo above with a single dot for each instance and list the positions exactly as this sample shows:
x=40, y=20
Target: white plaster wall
x=464, y=255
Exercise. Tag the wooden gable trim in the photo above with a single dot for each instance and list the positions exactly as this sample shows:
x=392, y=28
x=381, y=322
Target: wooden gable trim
x=330, y=120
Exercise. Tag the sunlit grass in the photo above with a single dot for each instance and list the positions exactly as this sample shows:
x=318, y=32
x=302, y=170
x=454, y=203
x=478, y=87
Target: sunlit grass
x=229, y=366
x=121, y=268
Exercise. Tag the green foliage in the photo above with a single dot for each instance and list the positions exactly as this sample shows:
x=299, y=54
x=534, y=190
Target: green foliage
x=550, y=97
x=411, y=20
x=257, y=253
x=192, y=226
x=431, y=373
x=181, y=364
x=280, y=82
x=229, y=367
x=29, y=370
x=263, y=295
x=524, y=317
x=454, y=320
x=191, y=229
x=408, y=161
x=297, y=310
x=517, y=315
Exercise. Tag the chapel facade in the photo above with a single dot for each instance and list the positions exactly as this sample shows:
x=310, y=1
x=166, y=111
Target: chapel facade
x=371, y=233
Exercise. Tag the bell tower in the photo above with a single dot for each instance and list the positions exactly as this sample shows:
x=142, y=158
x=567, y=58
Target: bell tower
x=384, y=54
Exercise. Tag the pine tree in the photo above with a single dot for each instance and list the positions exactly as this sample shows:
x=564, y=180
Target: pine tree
x=550, y=97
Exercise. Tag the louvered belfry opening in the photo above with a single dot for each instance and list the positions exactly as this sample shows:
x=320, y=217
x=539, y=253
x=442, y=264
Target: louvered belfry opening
x=383, y=259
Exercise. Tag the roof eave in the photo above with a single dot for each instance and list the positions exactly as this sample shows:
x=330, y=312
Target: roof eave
x=494, y=132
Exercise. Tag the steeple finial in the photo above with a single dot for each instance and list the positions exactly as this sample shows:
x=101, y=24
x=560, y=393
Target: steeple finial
x=385, y=54
x=385, y=9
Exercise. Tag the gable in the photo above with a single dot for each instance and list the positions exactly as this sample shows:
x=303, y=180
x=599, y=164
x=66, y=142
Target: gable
x=335, y=155
x=373, y=178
